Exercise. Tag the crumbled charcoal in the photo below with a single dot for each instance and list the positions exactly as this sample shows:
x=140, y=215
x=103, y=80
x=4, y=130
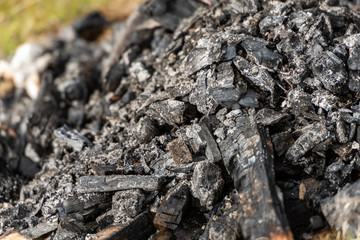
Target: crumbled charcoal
x=311, y=137
x=115, y=183
x=168, y=111
x=316, y=222
x=324, y=100
x=256, y=49
x=126, y=205
x=282, y=141
x=268, y=116
x=343, y=218
x=145, y=130
x=270, y=22
x=72, y=138
x=255, y=74
x=206, y=52
x=206, y=183
x=337, y=172
x=192, y=119
x=172, y=206
x=227, y=214
x=330, y=70
x=179, y=151
x=212, y=151
x=250, y=99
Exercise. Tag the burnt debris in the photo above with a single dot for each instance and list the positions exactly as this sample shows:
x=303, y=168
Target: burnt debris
x=196, y=119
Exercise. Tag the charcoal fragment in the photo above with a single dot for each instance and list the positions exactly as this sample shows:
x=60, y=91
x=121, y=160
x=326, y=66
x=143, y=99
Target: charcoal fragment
x=352, y=42
x=39, y=230
x=324, y=99
x=72, y=138
x=206, y=183
x=268, y=116
x=168, y=111
x=179, y=151
x=206, y=52
x=255, y=74
x=256, y=49
x=282, y=141
x=172, y=207
x=311, y=137
x=227, y=215
x=269, y=22
x=145, y=130
x=343, y=219
x=126, y=205
x=116, y=183
x=330, y=70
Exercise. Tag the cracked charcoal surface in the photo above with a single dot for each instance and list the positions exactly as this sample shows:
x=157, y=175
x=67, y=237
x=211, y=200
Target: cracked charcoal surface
x=196, y=119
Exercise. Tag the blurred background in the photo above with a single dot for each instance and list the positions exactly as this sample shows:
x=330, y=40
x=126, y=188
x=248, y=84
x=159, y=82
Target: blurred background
x=29, y=20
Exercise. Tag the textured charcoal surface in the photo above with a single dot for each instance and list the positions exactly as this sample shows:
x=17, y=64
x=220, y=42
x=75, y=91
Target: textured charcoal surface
x=196, y=119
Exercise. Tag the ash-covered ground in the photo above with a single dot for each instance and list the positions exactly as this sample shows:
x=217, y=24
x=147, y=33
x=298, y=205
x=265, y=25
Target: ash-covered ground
x=194, y=119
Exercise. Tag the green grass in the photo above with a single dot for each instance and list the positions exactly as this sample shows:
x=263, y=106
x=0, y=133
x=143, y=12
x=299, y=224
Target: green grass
x=21, y=20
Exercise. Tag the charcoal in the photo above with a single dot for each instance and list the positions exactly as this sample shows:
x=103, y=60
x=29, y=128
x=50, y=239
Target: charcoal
x=255, y=74
x=227, y=215
x=324, y=99
x=205, y=119
x=340, y=218
x=168, y=111
x=245, y=7
x=250, y=99
x=282, y=141
x=316, y=222
x=91, y=26
x=354, y=51
x=269, y=22
x=140, y=228
x=116, y=183
x=330, y=71
x=354, y=81
x=269, y=117
x=256, y=49
x=69, y=228
x=102, y=169
x=337, y=172
x=39, y=230
x=172, y=207
x=72, y=138
x=88, y=205
x=312, y=136
x=179, y=151
x=127, y=205
x=206, y=183
x=200, y=95
x=249, y=162
x=206, y=52
x=145, y=130
x=212, y=151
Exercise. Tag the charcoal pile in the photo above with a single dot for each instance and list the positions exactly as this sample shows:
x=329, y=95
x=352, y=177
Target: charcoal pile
x=193, y=119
